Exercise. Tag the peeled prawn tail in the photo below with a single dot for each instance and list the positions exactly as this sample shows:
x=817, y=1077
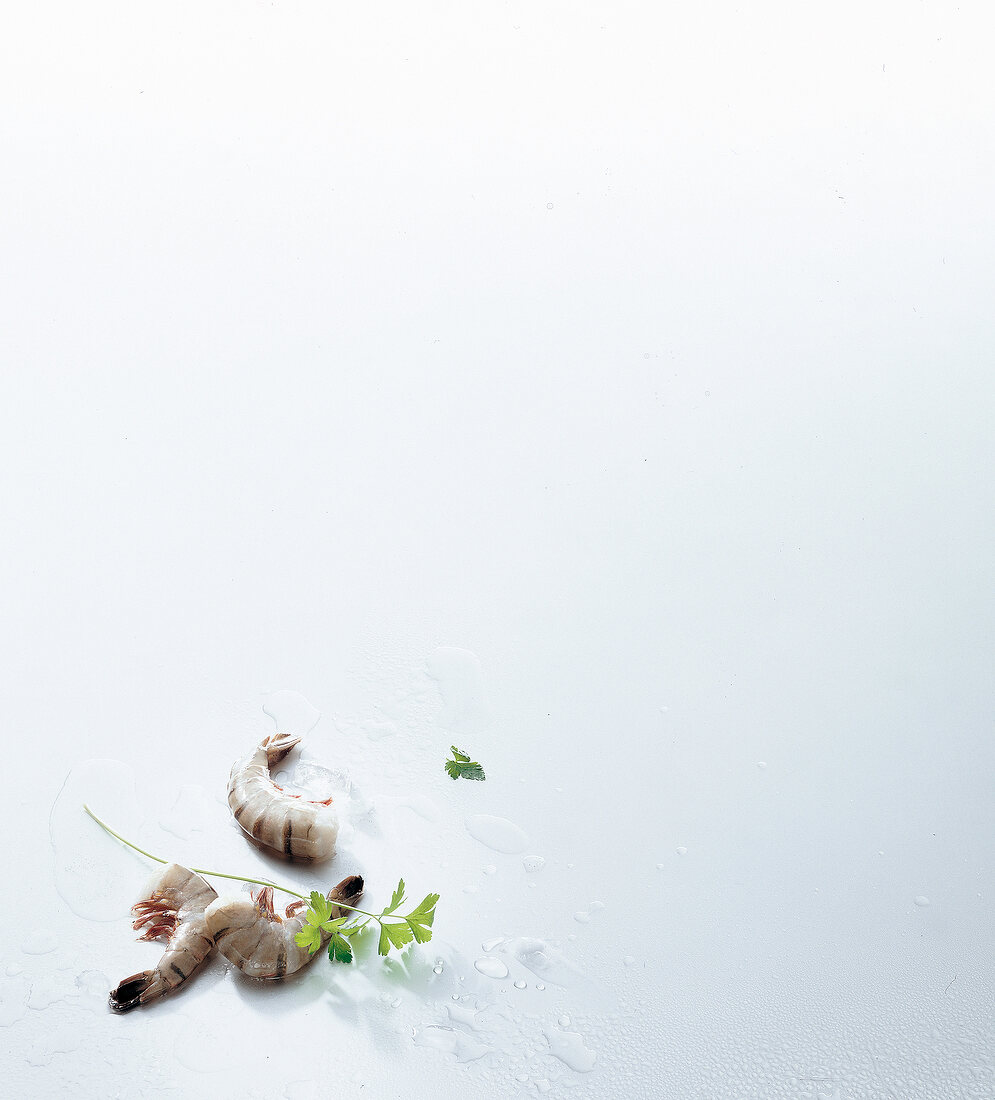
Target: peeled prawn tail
x=348, y=891
x=277, y=745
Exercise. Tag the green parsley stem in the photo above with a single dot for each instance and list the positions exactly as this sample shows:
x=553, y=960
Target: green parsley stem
x=198, y=870
x=237, y=878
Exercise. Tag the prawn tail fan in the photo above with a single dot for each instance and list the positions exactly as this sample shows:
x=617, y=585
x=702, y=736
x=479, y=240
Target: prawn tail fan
x=277, y=745
x=130, y=992
x=348, y=891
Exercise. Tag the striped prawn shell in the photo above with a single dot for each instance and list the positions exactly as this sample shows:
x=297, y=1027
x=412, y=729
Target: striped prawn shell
x=171, y=908
x=293, y=827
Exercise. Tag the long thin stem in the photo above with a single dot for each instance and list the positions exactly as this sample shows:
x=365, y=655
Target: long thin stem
x=199, y=870
x=222, y=874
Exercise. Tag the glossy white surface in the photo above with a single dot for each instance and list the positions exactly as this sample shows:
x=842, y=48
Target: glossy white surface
x=603, y=389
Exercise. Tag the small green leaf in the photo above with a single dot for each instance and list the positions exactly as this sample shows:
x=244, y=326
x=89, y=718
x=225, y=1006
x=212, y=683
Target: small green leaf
x=462, y=767
x=425, y=910
x=396, y=899
x=310, y=938
x=339, y=950
x=421, y=931
x=399, y=934
x=319, y=909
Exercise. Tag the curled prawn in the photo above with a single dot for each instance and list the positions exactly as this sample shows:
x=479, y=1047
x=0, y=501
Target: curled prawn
x=290, y=825
x=258, y=940
x=171, y=908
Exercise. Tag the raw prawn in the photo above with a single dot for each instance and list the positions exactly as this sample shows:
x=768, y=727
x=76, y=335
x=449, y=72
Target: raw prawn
x=172, y=908
x=293, y=827
x=260, y=942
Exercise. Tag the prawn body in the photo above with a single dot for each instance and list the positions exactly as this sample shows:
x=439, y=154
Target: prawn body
x=172, y=908
x=293, y=827
x=259, y=941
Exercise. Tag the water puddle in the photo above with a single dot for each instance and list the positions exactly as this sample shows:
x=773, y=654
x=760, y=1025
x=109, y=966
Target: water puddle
x=569, y=1047
x=94, y=874
x=451, y=1041
x=461, y=685
x=491, y=967
x=497, y=833
x=14, y=993
x=546, y=962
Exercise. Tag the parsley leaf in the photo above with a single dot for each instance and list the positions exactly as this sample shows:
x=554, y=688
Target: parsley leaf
x=462, y=767
x=339, y=949
x=396, y=899
x=396, y=929
x=394, y=935
x=309, y=937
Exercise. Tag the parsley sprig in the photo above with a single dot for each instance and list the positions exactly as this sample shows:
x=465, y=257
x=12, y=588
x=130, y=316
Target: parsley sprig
x=396, y=931
x=462, y=767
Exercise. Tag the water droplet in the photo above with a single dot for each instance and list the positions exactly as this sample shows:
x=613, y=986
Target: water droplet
x=497, y=833
x=489, y=945
x=921, y=900
x=520, y=984
x=761, y=764
x=564, y=1021
x=583, y=918
x=549, y=206
x=438, y=968
x=491, y=968
x=539, y=985
x=682, y=851
x=490, y=869
x=533, y=864
x=569, y=1047
x=659, y=866
x=463, y=1015
x=628, y=960
x=451, y=1041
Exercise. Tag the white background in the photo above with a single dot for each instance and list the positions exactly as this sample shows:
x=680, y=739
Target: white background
x=628, y=366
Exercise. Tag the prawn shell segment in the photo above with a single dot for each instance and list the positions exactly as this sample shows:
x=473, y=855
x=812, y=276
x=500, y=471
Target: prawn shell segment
x=290, y=826
x=260, y=945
